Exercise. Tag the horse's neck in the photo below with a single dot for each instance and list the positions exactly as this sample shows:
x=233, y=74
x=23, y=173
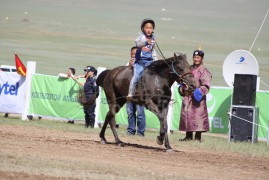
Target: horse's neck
x=165, y=72
x=170, y=76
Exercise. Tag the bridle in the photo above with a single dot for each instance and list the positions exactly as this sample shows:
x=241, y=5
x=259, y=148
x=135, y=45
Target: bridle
x=181, y=77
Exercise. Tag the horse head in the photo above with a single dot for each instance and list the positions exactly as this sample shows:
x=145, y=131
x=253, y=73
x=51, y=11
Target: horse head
x=182, y=73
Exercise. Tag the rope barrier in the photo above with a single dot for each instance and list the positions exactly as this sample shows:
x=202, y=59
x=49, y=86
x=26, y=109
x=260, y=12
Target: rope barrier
x=248, y=121
x=267, y=128
x=265, y=17
x=258, y=31
x=264, y=83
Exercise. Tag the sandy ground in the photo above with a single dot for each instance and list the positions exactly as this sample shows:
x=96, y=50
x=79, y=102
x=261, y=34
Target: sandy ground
x=35, y=153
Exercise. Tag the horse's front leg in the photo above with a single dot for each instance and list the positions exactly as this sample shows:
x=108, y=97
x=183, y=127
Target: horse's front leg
x=164, y=135
x=163, y=130
x=161, y=113
x=166, y=142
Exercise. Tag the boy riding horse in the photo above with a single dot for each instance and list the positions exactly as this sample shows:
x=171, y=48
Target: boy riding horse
x=145, y=53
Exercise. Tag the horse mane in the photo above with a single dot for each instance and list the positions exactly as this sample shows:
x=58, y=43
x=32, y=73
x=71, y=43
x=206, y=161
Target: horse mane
x=159, y=64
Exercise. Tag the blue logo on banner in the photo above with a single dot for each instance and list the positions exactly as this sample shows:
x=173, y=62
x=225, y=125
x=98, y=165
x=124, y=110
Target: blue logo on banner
x=9, y=89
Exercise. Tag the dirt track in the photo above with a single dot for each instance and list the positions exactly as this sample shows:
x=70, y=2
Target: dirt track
x=35, y=153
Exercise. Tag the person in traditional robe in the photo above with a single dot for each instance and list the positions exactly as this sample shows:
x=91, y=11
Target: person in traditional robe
x=194, y=115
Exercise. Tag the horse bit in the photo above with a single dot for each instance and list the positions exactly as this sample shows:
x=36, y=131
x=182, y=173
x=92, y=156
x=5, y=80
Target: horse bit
x=181, y=77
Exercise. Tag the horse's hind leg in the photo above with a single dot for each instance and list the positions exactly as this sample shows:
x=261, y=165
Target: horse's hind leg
x=102, y=133
x=114, y=109
x=110, y=119
x=112, y=124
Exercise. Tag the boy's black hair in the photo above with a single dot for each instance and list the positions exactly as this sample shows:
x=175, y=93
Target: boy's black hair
x=73, y=71
x=145, y=21
x=134, y=47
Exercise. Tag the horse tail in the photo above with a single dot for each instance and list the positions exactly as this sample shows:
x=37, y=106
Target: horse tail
x=101, y=77
x=81, y=97
x=99, y=82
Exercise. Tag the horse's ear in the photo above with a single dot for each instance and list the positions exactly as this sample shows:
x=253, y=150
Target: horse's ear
x=175, y=56
x=182, y=56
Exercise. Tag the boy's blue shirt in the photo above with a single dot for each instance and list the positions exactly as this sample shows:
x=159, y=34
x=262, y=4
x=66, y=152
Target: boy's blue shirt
x=145, y=51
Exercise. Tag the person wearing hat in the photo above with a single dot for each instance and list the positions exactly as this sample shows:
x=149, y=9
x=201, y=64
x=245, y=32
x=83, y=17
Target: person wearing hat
x=145, y=53
x=194, y=115
x=89, y=89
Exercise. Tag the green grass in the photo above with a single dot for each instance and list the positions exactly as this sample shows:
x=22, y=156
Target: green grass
x=48, y=124
x=210, y=141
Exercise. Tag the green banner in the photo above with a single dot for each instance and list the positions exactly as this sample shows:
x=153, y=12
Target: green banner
x=218, y=105
x=262, y=101
x=57, y=97
x=122, y=117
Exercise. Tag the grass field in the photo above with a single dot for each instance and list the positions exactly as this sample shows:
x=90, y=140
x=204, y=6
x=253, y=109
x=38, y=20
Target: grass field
x=212, y=142
x=46, y=149
x=76, y=33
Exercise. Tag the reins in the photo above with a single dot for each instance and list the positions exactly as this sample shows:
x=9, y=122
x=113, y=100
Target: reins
x=171, y=67
x=180, y=76
x=161, y=54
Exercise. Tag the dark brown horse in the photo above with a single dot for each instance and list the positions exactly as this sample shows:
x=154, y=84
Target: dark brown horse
x=153, y=91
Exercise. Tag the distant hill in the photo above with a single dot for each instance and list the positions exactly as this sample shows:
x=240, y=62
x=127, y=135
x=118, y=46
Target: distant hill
x=76, y=33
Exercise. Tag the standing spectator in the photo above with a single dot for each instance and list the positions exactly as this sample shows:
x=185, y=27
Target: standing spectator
x=194, y=115
x=89, y=90
x=132, y=108
x=71, y=72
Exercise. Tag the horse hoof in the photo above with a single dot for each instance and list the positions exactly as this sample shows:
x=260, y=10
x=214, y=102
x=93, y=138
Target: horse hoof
x=158, y=141
x=121, y=144
x=169, y=151
x=103, y=141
